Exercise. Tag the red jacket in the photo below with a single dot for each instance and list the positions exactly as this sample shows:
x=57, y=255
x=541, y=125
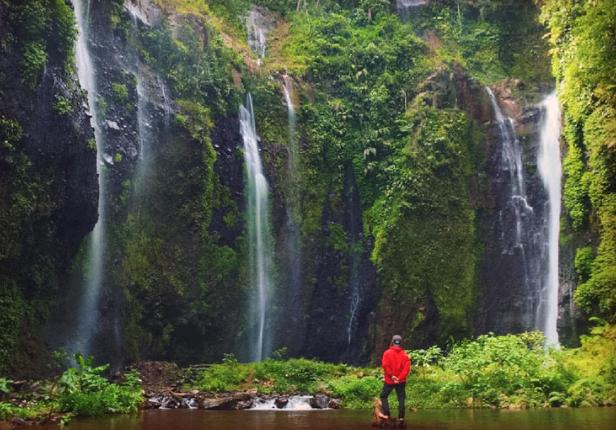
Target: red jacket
x=396, y=363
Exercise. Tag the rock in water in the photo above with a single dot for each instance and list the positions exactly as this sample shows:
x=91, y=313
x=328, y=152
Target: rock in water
x=281, y=402
x=319, y=401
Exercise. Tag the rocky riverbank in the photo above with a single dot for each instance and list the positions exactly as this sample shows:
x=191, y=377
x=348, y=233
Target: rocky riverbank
x=165, y=386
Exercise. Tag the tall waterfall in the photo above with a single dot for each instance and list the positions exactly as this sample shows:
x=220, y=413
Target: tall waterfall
x=88, y=308
x=293, y=242
x=511, y=154
x=549, y=164
x=259, y=235
x=516, y=227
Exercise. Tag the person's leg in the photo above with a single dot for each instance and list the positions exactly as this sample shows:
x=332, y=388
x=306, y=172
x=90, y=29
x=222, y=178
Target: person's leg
x=384, y=395
x=401, y=393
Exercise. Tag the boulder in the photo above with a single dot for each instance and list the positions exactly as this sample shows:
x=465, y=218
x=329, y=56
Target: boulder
x=225, y=402
x=335, y=403
x=319, y=401
x=281, y=402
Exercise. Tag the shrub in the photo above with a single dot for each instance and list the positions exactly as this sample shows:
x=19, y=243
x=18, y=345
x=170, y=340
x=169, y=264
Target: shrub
x=295, y=375
x=84, y=391
x=34, y=60
x=356, y=392
x=226, y=376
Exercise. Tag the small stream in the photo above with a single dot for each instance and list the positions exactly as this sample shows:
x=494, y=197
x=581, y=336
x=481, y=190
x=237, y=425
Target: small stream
x=553, y=419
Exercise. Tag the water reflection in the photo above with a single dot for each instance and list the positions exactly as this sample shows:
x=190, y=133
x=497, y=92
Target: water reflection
x=554, y=419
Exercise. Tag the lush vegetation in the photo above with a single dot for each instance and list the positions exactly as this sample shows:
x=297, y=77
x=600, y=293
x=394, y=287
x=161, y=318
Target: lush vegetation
x=512, y=371
x=384, y=140
x=36, y=35
x=80, y=391
x=584, y=58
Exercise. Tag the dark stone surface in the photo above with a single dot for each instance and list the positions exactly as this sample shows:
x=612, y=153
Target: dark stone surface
x=60, y=180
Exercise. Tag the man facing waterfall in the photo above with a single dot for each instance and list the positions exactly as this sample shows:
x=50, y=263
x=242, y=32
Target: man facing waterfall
x=396, y=367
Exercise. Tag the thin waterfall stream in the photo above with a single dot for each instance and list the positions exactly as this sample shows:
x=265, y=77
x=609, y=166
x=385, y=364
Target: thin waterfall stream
x=550, y=170
x=259, y=236
x=88, y=307
x=293, y=212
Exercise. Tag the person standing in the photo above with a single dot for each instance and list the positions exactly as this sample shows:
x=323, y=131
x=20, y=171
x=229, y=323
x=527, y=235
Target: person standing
x=396, y=367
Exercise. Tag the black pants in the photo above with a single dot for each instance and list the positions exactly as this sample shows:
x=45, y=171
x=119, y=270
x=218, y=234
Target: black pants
x=387, y=388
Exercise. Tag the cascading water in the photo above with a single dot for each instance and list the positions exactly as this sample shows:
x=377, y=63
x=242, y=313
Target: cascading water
x=516, y=229
x=354, y=229
x=293, y=210
x=404, y=6
x=257, y=32
x=549, y=165
x=88, y=308
x=153, y=113
x=259, y=237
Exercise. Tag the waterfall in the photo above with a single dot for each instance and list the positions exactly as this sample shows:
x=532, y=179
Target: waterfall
x=516, y=216
x=259, y=237
x=354, y=229
x=511, y=158
x=549, y=165
x=88, y=307
x=257, y=32
x=153, y=113
x=404, y=6
x=293, y=243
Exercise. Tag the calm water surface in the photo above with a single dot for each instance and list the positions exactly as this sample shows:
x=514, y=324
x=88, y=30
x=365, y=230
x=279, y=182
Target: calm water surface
x=558, y=419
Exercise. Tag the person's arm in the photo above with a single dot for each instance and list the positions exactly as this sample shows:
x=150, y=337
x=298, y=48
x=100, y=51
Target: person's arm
x=386, y=364
x=406, y=369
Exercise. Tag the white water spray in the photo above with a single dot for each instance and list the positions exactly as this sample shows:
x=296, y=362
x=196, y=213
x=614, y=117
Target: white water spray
x=257, y=32
x=511, y=156
x=550, y=170
x=88, y=309
x=293, y=208
x=259, y=238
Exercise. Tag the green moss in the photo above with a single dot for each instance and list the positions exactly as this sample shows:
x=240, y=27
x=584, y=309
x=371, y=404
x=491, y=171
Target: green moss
x=424, y=227
x=120, y=93
x=12, y=310
x=584, y=59
x=46, y=33
x=63, y=106
x=33, y=63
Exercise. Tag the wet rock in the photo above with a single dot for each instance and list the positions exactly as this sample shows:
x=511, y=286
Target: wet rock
x=226, y=402
x=335, y=404
x=153, y=403
x=244, y=404
x=319, y=401
x=281, y=402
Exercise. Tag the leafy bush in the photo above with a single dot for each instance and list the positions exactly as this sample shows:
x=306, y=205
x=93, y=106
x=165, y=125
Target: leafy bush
x=62, y=106
x=84, y=391
x=120, y=92
x=297, y=375
x=356, y=392
x=226, y=376
x=34, y=60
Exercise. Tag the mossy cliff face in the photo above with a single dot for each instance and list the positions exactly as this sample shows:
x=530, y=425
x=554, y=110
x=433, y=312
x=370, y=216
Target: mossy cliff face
x=394, y=194
x=48, y=182
x=174, y=187
x=581, y=35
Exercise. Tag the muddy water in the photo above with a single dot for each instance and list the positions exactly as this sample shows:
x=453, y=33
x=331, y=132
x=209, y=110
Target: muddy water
x=555, y=419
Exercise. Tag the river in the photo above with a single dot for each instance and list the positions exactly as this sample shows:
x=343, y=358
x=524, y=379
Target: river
x=183, y=419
